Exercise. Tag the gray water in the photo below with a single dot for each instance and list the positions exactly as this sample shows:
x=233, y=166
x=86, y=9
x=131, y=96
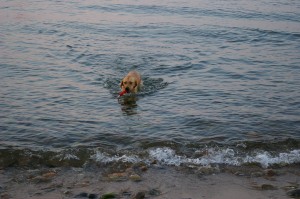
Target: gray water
x=221, y=72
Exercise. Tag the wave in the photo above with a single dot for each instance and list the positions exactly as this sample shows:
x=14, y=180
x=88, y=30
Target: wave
x=168, y=156
x=226, y=156
x=214, y=155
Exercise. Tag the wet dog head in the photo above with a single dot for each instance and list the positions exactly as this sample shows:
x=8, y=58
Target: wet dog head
x=129, y=84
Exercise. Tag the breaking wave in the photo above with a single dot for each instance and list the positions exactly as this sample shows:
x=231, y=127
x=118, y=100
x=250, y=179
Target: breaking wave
x=225, y=156
x=263, y=155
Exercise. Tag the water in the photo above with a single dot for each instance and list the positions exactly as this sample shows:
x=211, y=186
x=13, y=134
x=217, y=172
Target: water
x=221, y=82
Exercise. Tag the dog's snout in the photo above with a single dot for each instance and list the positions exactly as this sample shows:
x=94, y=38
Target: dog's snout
x=127, y=89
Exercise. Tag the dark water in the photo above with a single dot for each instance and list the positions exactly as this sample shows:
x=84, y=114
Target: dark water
x=221, y=81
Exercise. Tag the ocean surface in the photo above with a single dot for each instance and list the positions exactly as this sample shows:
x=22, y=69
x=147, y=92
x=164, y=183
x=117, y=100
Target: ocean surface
x=221, y=82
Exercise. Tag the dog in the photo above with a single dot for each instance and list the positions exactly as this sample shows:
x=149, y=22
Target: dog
x=131, y=83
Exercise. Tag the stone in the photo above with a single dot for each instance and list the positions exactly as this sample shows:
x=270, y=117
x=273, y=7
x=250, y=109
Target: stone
x=49, y=175
x=264, y=187
x=126, y=193
x=5, y=196
x=268, y=187
x=294, y=193
x=53, y=186
x=82, y=195
x=135, y=177
x=270, y=172
x=67, y=192
x=154, y=162
x=129, y=170
x=290, y=187
x=38, y=193
x=154, y=192
x=139, y=195
x=144, y=168
x=117, y=176
x=108, y=196
x=40, y=179
x=92, y=196
x=206, y=170
x=257, y=174
x=239, y=173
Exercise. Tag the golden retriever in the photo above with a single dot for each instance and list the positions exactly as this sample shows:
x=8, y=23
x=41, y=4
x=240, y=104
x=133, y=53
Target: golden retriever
x=131, y=83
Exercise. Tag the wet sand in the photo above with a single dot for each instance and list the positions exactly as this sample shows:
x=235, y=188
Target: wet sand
x=148, y=182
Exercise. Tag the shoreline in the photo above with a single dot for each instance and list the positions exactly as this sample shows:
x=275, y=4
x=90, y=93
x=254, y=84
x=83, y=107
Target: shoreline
x=140, y=181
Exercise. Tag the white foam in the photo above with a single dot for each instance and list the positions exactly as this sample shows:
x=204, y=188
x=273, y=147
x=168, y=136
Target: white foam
x=221, y=156
x=227, y=156
x=266, y=159
x=105, y=158
x=168, y=156
x=67, y=156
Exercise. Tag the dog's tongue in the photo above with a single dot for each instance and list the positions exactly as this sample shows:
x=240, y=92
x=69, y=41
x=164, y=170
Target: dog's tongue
x=122, y=93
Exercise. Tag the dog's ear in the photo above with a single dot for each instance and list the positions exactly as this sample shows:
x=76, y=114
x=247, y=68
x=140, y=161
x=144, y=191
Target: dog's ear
x=135, y=84
x=121, y=84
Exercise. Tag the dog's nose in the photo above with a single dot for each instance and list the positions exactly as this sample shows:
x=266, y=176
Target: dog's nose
x=127, y=89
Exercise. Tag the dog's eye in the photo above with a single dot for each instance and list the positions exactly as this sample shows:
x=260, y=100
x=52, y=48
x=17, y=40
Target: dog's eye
x=125, y=82
x=130, y=83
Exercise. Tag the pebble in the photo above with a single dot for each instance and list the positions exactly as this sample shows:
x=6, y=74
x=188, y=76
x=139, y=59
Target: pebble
x=206, y=170
x=108, y=196
x=257, y=174
x=117, y=176
x=67, y=192
x=139, y=195
x=290, y=187
x=38, y=193
x=86, y=195
x=238, y=173
x=154, y=162
x=294, y=193
x=268, y=187
x=5, y=196
x=46, y=177
x=39, y=179
x=92, y=196
x=82, y=195
x=154, y=192
x=270, y=172
x=53, y=186
x=49, y=175
x=135, y=177
x=144, y=168
x=129, y=170
x=126, y=193
x=264, y=187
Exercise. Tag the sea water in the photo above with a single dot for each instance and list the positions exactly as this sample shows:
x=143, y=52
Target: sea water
x=221, y=82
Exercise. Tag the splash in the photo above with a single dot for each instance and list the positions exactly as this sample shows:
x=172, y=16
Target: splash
x=106, y=158
x=226, y=156
x=266, y=159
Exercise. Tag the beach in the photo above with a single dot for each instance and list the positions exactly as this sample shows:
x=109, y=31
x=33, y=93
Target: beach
x=140, y=181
